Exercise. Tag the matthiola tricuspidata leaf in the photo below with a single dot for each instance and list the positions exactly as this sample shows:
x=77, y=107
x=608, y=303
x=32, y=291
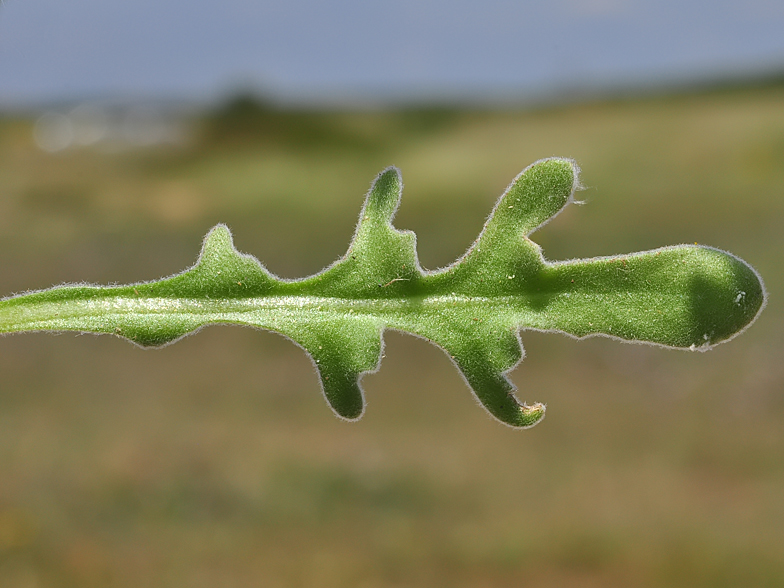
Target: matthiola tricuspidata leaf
x=685, y=296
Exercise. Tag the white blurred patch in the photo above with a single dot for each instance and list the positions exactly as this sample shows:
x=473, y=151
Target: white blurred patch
x=53, y=132
x=109, y=127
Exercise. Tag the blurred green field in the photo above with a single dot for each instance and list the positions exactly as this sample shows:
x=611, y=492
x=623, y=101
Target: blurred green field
x=216, y=462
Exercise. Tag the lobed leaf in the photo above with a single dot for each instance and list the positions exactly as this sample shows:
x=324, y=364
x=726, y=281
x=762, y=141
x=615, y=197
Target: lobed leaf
x=685, y=296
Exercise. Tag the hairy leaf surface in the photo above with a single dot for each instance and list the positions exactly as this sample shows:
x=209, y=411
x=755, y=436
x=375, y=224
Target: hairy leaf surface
x=684, y=296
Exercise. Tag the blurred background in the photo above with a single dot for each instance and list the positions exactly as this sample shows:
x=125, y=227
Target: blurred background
x=127, y=130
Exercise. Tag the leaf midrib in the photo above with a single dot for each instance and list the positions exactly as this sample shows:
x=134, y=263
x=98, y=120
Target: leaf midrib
x=43, y=313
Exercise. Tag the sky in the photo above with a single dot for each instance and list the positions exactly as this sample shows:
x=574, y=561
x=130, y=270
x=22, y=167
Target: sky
x=345, y=51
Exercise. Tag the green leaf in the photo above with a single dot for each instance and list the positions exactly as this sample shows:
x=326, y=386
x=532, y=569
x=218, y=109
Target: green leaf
x=685, y=296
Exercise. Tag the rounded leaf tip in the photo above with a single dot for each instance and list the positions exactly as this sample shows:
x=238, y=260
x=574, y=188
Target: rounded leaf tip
x=530, y=415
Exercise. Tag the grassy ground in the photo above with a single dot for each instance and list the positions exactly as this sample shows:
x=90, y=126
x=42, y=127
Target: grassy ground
x=215, y=462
